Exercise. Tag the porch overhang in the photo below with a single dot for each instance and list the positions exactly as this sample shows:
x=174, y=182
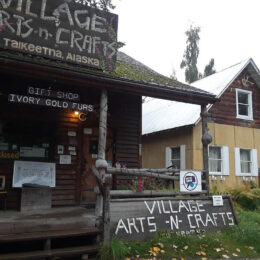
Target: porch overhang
x=52, y=70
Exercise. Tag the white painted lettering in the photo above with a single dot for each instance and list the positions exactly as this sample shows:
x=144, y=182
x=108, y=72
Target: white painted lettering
x=150, y=224
x=209, y=219
x=182, y=205
x=121, y=225
x=132, y=224
x=189, y=217
x=151, y=210
x=174, y=222
x=141, y=223
x=230, y=218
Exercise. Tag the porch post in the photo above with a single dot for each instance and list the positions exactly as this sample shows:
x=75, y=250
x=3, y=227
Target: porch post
x=206, y=140
x=101, y=165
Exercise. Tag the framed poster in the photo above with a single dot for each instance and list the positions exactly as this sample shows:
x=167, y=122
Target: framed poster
x=34, y=173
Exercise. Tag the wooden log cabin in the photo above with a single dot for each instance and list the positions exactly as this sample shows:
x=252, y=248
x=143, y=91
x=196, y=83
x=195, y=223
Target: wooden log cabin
x=45, y=133
x=50, y=132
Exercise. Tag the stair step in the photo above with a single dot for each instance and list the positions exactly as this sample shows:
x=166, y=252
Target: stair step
x=48, y=235
x=69, y=251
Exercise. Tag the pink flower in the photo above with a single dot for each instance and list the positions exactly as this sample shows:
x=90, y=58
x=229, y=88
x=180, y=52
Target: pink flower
x=2, y=27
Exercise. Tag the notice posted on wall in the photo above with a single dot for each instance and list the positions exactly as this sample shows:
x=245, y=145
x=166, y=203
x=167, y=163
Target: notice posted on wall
x=40, y=173
x=65, y=159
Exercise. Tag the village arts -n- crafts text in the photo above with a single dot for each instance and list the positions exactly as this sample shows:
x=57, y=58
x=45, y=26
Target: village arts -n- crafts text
x=189, y=216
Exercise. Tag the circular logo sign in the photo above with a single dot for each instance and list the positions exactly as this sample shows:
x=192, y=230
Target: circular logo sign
x=190, y=181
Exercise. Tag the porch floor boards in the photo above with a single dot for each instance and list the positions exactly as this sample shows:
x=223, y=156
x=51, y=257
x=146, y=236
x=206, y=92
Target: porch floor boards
x=56, y=219
x=73, y=251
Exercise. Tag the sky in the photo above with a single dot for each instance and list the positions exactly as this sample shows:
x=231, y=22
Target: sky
x=154, y=31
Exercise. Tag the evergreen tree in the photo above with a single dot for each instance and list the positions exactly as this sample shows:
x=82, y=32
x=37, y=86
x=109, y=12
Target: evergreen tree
x=173, y=75
x=190, y=56
x=209, y=69
x=105, y=5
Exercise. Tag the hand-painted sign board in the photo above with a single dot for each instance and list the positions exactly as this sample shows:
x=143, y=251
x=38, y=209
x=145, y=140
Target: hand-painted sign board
x=66, y=30
x=140, y=219
x=53, y=94
x=13, y=98
x=34, y=173
x=14, y=155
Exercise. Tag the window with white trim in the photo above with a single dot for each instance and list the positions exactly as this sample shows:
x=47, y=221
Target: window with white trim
x=218, y=160
x=175, y=157
x=244, y=104
x=246, y=162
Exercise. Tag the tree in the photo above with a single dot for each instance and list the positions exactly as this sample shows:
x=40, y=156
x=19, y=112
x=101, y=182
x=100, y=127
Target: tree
x=190, y=56
x=209, y=69
x=105, y=5
x=173, y=75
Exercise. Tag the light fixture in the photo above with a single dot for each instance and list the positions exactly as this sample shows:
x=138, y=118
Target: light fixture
x=76, y=113
x=82, y=117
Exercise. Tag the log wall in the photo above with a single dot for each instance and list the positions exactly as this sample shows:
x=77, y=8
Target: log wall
x=224, y=112
x=123, y=137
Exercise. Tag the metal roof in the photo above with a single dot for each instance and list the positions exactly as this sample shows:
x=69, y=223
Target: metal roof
x=160, y=115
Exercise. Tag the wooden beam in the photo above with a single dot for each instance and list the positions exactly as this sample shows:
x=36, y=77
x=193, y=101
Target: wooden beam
x=102, y=126
x=153, y=173
x=149, y=193
x=101, y=165
x=206, y=140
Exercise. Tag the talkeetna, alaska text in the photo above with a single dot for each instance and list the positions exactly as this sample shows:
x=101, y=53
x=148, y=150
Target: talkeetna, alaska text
x=59, y=29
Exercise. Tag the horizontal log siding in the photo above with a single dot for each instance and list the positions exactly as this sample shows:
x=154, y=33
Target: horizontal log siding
x=123, y=120
x=126, y=124
x=224, y=112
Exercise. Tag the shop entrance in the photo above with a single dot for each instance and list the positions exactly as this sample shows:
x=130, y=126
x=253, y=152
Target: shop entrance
x=89, y=157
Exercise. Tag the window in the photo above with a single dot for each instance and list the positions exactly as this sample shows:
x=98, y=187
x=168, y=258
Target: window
x=244, y=104
x=175, y=157
x=219, y=160
x=246, y=162
x=215, y=159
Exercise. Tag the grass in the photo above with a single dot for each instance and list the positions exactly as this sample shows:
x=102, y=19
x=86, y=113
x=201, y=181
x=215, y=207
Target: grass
x=237, y=242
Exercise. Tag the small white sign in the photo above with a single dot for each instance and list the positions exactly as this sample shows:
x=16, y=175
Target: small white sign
x=32, y=152
x=4, y=146
x=72, y=148
x=190, y=181
x=87, y=131
x=60, y=149
x=65, y=159
x=217, y=200
x=72, y=133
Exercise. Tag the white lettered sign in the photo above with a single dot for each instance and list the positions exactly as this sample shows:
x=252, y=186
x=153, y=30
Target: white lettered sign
x=190, y=181
x=34, y=173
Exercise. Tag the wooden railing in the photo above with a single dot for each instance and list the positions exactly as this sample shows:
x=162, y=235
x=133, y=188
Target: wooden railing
x=105, y=194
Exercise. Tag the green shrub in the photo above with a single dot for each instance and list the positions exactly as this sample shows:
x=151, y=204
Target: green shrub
x=246, y=197
x=114, y=250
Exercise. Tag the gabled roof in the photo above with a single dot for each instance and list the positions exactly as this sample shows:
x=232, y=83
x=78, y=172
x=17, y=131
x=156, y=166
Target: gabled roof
x=160, y=115
x=218, y=82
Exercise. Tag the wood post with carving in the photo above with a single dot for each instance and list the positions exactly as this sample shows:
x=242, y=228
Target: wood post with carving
x=101, y=165
x=206, y=140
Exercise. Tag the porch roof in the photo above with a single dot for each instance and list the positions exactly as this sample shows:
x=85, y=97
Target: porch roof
x=130, y=77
